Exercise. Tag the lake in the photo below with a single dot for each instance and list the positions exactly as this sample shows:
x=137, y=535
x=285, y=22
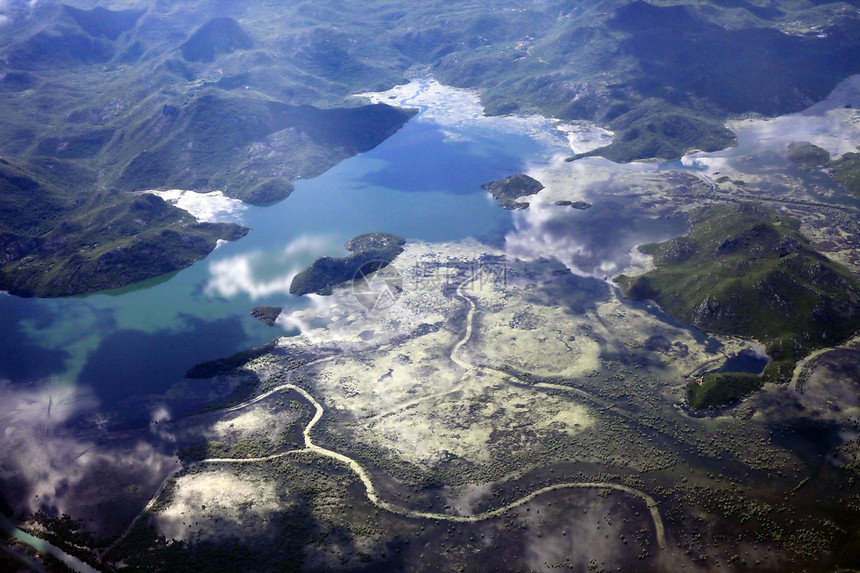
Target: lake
x=422, y=183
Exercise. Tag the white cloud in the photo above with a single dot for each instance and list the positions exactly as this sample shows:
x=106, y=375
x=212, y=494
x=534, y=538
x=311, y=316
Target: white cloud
x=457, y=110
x=212, y=207
x=54, y=464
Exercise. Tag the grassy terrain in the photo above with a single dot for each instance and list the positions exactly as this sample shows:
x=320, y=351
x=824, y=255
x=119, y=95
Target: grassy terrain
x=747, y=271
x=654, y=130
x=807, y=155
x=54, y=244
x=370, y=252
x=721, y=389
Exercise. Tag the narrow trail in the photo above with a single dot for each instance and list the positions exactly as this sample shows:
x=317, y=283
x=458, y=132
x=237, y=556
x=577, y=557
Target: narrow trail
x=470, y=318
x=364, y=477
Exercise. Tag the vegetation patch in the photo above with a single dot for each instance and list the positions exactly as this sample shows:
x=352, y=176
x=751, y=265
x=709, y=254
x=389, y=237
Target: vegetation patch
x=654, y=130
x=846, y=170
x=217, y=36
x=212, y=368
x=721, y=389
x=53, y=244
x=746, y=270
x=807, y=156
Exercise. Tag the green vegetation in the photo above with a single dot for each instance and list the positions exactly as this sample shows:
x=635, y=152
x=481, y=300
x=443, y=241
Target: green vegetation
x=846, y=170
x=57, y=244
x=217, y=36
x=239, y=449
x=654, y=130
x=507, y=191
x=207, y=132
x=212, y=368
x=716, y=390
x=266, y=314
x=807, y=155
x=370, y=252
x=746, y=270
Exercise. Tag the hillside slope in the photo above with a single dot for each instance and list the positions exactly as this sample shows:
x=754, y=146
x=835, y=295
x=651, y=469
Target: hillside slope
x=747, y=271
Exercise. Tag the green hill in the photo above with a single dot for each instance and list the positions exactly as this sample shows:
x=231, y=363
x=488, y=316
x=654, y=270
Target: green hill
x=845, y=170
x=217, y=36
x=745, y=270
x=54, y=244
x=195, y=146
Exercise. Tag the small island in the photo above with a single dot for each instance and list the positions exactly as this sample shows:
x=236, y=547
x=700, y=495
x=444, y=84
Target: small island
x=266, y=314
x=372, y=251
x=581, y=205
x=507, y=191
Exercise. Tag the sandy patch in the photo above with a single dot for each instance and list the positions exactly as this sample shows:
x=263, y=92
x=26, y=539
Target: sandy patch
x=217, y=504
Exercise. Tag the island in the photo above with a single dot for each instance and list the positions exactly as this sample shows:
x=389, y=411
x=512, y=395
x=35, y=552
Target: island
x=266, y=314
x=507, y=191
x=579, y=205
x=370, y=252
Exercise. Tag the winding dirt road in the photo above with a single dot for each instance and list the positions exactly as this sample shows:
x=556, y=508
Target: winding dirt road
x=370, y=489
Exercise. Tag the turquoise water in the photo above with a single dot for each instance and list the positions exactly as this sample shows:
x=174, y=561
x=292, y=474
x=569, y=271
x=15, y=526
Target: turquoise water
x=138, y=341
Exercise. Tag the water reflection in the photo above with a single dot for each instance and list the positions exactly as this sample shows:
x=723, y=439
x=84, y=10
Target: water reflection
x=833, y=124
x=446, y=153
x=596, y=242
x=260, y=275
